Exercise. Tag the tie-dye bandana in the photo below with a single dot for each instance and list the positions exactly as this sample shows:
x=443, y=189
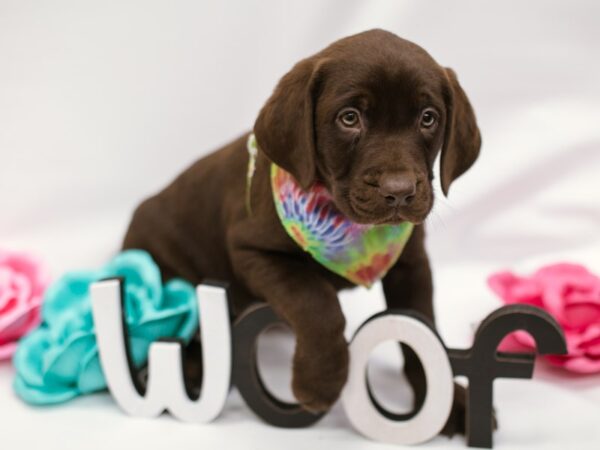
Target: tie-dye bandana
x=360, y=253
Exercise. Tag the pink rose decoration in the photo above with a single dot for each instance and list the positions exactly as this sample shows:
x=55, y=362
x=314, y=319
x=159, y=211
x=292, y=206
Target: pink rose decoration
x=572, y=295
x=23, y=280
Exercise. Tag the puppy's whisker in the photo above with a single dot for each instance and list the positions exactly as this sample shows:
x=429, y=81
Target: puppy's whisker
x=439, y=219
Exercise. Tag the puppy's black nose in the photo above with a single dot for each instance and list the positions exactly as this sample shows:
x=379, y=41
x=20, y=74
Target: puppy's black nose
x=398, y=189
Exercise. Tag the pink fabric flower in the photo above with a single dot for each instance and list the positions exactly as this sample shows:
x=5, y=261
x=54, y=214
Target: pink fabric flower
x=572, y=295
x=23, y=280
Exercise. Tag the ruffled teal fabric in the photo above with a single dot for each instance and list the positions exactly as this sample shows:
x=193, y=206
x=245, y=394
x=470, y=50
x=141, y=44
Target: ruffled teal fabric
x=59, y=360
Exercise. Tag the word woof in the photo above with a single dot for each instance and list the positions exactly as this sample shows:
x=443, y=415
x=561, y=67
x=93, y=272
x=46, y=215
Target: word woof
x=229, y=355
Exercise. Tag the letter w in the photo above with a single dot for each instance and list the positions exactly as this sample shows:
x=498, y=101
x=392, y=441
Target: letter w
x=166, y=385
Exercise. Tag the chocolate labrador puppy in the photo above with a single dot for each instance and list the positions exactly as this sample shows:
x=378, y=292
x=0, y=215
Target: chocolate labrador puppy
x=365, y=118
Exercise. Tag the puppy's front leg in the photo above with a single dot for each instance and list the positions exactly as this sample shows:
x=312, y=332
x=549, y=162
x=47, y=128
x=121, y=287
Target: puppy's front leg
x=309, y=304
x=408, y=285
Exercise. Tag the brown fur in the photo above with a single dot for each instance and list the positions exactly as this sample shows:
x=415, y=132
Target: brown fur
x=379, y=171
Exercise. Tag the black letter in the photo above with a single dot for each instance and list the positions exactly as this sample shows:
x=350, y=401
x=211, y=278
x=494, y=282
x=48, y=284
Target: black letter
x=481, y=364
x=247, y=379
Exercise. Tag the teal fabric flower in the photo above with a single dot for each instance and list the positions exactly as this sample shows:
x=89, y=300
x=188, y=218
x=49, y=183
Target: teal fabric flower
x=59, y=360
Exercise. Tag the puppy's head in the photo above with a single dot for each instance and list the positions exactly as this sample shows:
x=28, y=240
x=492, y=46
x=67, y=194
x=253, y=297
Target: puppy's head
x=367, y=117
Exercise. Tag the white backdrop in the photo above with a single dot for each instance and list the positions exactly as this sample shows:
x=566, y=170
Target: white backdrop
x=103, y=103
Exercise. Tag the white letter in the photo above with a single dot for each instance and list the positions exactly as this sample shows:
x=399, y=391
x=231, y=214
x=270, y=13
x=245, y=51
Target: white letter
x=165, y=387
x=440, y=389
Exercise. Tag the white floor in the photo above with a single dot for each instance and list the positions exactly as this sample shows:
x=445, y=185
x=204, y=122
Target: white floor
x=550, y=411
x=102, y=104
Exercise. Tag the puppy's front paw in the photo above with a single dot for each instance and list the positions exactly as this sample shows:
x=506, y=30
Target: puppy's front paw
x=319, y=375
x=457, y=421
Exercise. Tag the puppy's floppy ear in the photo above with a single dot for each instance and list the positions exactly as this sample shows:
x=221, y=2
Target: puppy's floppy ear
x=462, y=140
x=285, y=128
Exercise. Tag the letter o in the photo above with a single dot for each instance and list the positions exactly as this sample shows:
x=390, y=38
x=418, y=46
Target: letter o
x=359, y=407
x=247, y=378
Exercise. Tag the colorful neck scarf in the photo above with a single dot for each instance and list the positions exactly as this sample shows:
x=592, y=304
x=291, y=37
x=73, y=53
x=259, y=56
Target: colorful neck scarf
x=360, y=253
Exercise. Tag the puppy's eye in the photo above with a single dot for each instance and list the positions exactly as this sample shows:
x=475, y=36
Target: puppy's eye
x=429, y=118
x=349, y=118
